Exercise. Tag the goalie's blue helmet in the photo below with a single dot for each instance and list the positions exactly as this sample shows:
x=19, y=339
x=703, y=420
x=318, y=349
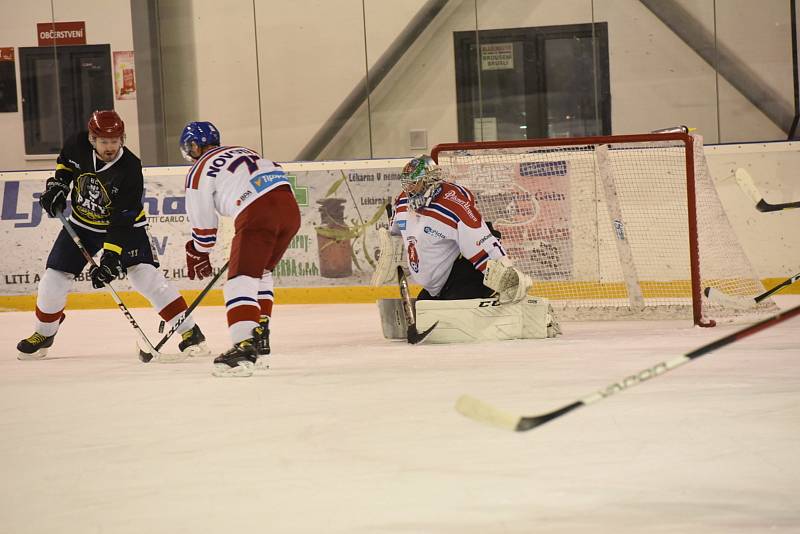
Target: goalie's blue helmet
x=201, y=133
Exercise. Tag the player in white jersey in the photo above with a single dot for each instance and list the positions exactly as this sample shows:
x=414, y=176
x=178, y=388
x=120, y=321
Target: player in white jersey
x=237, y=182
x=448, y=244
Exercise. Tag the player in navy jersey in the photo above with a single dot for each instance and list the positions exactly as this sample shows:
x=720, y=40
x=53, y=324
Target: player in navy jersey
x=447, y=243
x=104, y=182
x=235, y=181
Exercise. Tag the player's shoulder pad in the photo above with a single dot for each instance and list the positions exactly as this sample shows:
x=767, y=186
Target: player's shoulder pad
x=400, y=202
x=458, y=200
x=131, y=158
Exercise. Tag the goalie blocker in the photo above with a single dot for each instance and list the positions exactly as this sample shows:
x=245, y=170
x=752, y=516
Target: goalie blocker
x=470, y=320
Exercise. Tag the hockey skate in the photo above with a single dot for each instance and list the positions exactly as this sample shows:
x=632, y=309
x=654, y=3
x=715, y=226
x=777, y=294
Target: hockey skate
x=34, y=347
x=261, y=337
x=194, y=343
x=238, y=361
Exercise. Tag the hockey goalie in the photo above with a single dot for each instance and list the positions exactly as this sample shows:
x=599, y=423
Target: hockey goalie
x=471, y=289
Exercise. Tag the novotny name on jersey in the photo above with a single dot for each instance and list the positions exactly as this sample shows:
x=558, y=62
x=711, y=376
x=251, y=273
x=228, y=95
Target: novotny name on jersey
x=223, y=158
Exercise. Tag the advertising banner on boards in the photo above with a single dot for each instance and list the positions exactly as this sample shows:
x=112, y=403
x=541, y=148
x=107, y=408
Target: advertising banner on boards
x=341, y=210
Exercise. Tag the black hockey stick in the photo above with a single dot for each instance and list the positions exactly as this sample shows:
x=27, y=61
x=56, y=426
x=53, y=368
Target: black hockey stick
x=146, y=356
x=147, y=345
x=744, y=302
x=745, y=181
x=485, y=413
x=764, y=206
x=412, y=336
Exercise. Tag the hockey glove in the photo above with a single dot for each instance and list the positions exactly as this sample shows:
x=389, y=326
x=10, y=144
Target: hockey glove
x=54, y=198
x=109, y=269
x=510, y=283
x=197, y=263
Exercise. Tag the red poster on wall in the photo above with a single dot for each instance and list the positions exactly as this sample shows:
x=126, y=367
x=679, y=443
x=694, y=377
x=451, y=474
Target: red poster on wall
x=61, y=33
x=124, y=75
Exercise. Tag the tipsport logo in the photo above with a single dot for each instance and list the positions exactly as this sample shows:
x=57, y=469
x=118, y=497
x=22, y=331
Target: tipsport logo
x=28, y=212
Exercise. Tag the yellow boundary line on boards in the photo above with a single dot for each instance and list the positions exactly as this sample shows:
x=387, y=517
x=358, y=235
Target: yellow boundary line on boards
x=284, y=295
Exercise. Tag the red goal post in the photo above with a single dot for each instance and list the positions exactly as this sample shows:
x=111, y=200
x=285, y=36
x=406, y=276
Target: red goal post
x=626, y=226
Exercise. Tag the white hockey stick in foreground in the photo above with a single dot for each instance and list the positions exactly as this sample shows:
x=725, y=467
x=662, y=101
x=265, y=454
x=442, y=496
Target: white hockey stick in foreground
x=731, y=301
x=745, y=181
x=482, y=412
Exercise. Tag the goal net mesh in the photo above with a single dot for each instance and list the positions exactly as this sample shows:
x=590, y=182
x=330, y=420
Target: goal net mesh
x=603, y=227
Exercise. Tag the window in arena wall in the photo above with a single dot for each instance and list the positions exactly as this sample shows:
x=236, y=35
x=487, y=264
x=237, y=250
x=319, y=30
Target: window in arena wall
x=526, y=83
x=61, y=87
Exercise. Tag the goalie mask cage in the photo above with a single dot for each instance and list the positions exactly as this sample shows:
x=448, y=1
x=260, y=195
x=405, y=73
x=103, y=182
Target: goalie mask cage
x=610, y=227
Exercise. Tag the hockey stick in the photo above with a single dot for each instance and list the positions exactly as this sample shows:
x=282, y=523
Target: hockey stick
x=146, y=356
x=743, y=302
x=147, y=345
x=412, y=336
x=485, y=413
x=745, y=181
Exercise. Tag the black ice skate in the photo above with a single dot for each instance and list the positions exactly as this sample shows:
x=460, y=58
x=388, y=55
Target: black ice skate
x=261, y=337
x=34, y=347
x=238, y=361
x=194, y=343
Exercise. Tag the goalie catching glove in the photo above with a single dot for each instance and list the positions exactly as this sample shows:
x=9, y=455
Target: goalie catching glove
x=510, y=283
x=391, y=255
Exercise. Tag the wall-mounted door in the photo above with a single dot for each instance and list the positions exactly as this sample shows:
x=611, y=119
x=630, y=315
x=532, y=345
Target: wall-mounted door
x=61, y=87
x=527, y=83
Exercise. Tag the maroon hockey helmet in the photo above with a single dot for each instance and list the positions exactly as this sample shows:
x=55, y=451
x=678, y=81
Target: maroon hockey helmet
x=106, y=124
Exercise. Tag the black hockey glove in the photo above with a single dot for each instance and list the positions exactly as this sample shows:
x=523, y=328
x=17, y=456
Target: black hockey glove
x=54, y=198
x=109, y=269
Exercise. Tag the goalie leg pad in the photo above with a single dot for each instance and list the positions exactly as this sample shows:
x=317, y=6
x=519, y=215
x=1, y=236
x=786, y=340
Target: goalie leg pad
x=393, y=319
x=538, y=319
x=471, y=320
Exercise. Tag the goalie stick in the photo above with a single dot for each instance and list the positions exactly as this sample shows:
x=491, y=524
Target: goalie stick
x=723, y=298
x=148, y=347
x=482, y=412
x=412, y=336
x=146, y=356
x=745, y=181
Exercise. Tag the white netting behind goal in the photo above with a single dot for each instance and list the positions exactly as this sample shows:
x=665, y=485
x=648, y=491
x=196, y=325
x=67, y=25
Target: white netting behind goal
x=604, y=226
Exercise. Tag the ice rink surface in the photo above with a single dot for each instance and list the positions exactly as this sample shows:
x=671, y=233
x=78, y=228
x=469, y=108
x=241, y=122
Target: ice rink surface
x=350, y=433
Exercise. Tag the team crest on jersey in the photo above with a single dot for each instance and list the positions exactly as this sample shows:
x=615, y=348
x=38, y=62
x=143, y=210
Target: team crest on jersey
x=401, y=224
x=91, y=201
x=413, y=255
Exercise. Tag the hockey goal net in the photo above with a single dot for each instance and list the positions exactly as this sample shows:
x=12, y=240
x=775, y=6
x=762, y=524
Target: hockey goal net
x=610, y=227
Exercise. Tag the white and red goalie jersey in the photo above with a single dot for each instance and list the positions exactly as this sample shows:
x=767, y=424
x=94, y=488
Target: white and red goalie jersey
x=436, y=234
x=225, y=181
